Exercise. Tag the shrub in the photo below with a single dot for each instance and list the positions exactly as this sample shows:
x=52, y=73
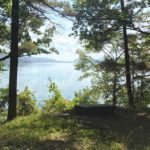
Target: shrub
x=26, y=103
x=84, y=96
x=56, y=102
x=3, y=99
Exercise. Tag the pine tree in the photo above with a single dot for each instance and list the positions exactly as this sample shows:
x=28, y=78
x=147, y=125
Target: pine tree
x=27, y=16
x=98, y=22
x=13, y=61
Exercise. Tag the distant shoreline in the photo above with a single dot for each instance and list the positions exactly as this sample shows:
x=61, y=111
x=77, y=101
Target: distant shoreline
x=30, y=59
x=56, y=61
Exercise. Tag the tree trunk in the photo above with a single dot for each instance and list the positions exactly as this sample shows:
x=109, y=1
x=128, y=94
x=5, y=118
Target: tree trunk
x=115, y=88
x=142, y=86
x=13, y=61
x=127, y=59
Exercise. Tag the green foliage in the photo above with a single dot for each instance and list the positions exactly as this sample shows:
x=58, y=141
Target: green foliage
x=98, y=25
x=3, y=99
x=56, y=102
x=142, y=96
x=5, y=12
x=26, y=103
x=85, y=96
x=139, y=46
x=97, y=22
x=89, y=24
x=34, y=37
x=106, y=75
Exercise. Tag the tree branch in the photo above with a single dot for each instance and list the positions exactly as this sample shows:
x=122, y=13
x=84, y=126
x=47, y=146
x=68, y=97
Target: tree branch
x=5, y=57
x=59, y=12
x=139, y=30
x=41, y=11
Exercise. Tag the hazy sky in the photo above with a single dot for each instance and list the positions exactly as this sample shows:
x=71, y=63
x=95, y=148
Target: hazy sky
x=65, y=44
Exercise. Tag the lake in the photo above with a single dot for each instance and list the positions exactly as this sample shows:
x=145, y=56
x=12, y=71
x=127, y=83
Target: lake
x=36, y=77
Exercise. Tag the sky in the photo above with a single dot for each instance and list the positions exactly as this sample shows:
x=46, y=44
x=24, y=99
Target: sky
x=65, y=44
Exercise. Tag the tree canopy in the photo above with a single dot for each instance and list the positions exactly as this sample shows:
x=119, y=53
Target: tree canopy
x=99, y=25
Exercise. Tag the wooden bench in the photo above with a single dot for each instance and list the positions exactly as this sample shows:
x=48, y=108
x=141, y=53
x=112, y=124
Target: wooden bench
x=94, y=110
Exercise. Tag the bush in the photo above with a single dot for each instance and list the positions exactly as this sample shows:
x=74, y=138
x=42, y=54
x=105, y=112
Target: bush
x=56, y=102
x=3, y=99
x=26, y=103
x=84, y=96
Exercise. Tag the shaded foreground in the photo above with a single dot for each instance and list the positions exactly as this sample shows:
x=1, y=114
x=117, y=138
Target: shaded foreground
x=125, y=131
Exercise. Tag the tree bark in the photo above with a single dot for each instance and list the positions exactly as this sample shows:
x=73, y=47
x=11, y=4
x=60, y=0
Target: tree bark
x=13, y=61
x=115, y=88
x=127, y=59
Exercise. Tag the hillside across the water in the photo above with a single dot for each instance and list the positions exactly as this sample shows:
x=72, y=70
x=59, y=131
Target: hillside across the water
x=34, y=59
x=41, y=59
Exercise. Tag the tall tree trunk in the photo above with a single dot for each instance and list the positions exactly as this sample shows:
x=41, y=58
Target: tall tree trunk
x=133, y=77
x=127, y=59
x=115, y=88
x=142, y=86
x=13, y=61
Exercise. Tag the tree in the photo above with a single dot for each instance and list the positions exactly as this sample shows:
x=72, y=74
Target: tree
x=31, y=17
x=107, y=74
x=13, y=61
x=98, y=22
x=127, y=57
x=140, y=69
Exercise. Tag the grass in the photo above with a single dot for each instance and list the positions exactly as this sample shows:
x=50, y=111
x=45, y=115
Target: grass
x=44, y=131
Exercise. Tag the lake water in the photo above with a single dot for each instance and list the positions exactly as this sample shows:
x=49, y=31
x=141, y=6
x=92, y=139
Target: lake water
x=36, y=77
